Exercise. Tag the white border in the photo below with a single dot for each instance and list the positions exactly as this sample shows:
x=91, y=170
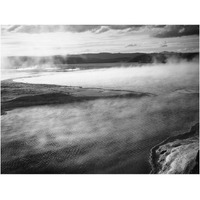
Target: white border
x=99, y=12
x=123, y=187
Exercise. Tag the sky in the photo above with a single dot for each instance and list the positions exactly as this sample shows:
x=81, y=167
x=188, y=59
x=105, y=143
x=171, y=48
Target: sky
x=46, y=40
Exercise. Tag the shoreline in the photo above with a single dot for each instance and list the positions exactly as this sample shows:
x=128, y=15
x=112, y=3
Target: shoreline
x=16, y=94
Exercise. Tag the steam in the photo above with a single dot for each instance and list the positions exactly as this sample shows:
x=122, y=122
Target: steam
x=17, y=62
x=98, y=131
x=154, y=78
x=104, y=135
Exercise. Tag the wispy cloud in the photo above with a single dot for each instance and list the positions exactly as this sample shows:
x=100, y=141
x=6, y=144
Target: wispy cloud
x=66, y=28
x=102, y=29
x=75, y=39
x=159, y=31
x=164, y=44
x=131, y=45
x=176, y=31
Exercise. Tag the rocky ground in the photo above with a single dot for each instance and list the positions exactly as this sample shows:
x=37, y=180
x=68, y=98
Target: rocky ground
x=178, y=154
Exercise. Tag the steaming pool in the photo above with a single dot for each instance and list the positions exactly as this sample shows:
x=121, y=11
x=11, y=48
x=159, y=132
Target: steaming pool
x=157, y=78
x=105, y=135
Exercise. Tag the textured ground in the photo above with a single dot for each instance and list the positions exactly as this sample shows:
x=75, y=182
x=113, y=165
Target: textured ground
x=16, y=95
x=177, y=155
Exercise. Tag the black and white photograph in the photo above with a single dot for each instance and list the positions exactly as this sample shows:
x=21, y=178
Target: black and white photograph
x=100, y=99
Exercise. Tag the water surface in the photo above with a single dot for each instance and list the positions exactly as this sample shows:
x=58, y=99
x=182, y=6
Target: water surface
x=101, y=136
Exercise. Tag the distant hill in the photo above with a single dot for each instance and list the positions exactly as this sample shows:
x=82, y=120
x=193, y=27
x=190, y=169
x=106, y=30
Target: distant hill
x=162, y=57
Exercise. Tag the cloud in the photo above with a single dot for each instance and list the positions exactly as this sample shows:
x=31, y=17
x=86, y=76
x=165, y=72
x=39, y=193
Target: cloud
x=176, y=31
x=67, y=28
x=81, y=28
x=49, y=28
x=131, y=45
x=164, y=44
x=102, y=29
x=122, y=27
x=159, y=31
